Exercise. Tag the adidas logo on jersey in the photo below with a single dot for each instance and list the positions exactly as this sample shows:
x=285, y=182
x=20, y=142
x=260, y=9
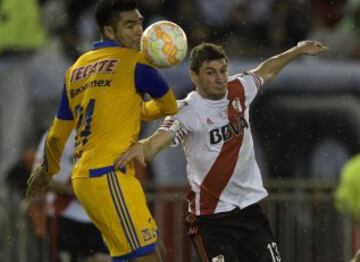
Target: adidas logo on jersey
x=209, y=121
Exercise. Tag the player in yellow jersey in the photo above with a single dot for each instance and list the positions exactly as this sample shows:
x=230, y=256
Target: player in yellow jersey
x=102, y=100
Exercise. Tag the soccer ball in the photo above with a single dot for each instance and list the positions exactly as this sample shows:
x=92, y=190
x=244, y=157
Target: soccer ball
x=164, y=44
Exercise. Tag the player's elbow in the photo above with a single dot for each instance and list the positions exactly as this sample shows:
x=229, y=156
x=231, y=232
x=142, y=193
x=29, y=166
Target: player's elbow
x=268, y=77
x=171, y=110
x=167, y=104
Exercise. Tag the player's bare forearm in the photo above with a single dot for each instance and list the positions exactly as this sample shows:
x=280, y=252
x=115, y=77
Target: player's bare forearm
x=156, y=143
x=145, y=149
x=271, y=67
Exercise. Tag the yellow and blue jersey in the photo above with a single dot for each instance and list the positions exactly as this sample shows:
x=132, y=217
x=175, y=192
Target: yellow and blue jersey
x=102, y=100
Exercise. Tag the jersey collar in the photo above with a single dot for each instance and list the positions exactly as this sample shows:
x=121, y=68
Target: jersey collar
x=102, y=44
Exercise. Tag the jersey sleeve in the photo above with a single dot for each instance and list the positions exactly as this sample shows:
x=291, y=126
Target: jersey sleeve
x=39, y=155
x=64, y=111
x=148, y=80
x=58, y=135
x=157, y=108
x=65, y=165
x=180, y=124
x=177, y=130
x=251, y=83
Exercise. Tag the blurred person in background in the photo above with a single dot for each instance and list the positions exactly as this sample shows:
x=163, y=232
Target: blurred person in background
x=338, y=24
x=20, y=172
x=102, y=100
x=349, y=29
x=22, y=34
x=72, y=235
x=225, y=220
x=16, y=181
x=347, y=195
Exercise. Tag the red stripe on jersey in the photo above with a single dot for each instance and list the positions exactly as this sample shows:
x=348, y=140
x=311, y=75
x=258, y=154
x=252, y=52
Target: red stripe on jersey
x=191, y=201
x=224, y=165
x=167, y=123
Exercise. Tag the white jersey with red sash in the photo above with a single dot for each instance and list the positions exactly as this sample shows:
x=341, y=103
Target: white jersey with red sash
x=218, y=145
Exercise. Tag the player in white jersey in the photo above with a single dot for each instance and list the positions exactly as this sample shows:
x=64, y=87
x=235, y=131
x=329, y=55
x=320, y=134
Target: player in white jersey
x=225, y=220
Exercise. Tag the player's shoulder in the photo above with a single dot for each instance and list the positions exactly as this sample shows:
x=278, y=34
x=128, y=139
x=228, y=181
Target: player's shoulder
x=191, y=100
x=238, y=76
x=186, y=105
x=141, y=59
x=125, y=54
x=247, y=78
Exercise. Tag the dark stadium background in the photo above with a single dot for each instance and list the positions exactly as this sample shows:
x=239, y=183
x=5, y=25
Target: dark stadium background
x=306, y=123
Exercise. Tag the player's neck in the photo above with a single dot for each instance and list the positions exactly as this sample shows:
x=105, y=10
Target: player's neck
x=211, y=97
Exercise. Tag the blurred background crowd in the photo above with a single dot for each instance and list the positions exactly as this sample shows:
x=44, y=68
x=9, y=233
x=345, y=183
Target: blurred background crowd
x=42, y=38
x=306, y=122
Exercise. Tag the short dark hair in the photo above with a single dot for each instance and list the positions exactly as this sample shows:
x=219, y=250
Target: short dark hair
x=107, y=11
x=205, y=52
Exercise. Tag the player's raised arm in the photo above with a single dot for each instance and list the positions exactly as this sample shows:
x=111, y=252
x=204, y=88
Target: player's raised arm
x=270, y=68
x=148, y=80
x=170, y=132
x=159, y=107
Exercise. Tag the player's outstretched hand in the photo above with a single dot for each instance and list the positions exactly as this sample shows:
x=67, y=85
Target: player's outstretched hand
x=38, y=183
x=309, y=47
x=136, y=151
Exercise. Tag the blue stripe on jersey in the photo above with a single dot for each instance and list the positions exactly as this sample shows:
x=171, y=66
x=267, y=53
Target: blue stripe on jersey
x=64, y=112
x=137, y=253
x=122, y=204
x=103, y=44
x=148, y=80
x=96, y=172
x=121, y=208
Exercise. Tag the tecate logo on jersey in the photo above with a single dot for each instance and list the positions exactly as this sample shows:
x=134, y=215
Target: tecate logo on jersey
x=106, y=66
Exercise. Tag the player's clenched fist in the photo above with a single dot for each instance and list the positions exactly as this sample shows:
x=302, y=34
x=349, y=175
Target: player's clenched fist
x=38, y=183
x=309, y=47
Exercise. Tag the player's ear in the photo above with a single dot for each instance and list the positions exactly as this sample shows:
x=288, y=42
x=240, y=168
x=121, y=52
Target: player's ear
x=194, y=77
x=109, y=32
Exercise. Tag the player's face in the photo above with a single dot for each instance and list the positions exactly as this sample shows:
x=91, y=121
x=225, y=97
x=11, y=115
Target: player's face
x=211, y=81
x=129, y=29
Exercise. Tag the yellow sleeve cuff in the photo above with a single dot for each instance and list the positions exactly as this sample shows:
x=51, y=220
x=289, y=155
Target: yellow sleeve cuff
x=159, y=107
x=54, y=145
